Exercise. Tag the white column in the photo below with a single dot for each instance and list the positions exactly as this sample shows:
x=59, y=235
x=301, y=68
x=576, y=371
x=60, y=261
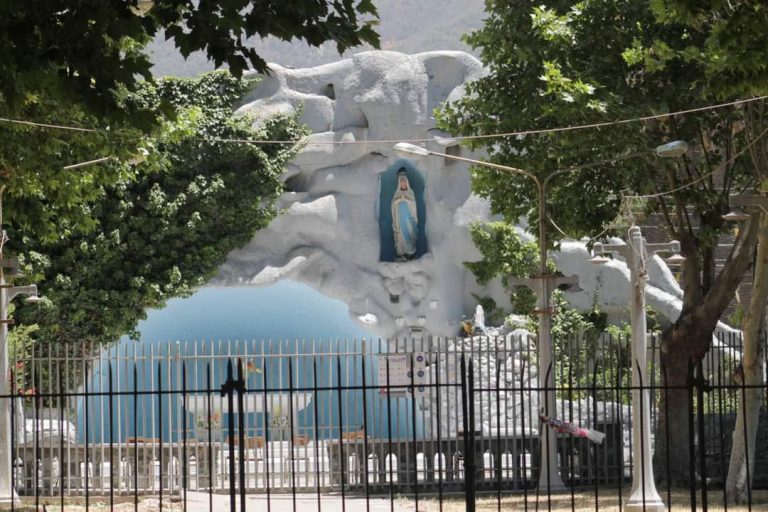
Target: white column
x=7, y=492
x=643, y=495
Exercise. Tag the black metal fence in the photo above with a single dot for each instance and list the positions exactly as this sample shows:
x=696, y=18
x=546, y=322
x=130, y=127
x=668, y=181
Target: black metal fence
x=424, y=418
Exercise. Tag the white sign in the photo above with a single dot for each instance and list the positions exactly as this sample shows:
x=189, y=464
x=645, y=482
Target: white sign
x=407, y=373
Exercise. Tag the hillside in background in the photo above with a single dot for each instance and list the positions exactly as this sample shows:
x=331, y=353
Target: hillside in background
x=408, y=26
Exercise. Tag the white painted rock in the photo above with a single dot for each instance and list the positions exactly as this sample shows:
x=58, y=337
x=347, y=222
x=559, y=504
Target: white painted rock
x=333, y=234
x=330, y=236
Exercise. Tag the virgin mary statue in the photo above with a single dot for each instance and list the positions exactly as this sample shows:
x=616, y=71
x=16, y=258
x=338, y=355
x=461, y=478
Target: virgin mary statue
x=405, y=220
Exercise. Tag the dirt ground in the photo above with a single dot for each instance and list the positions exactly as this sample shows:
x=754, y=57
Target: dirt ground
x=606, y=501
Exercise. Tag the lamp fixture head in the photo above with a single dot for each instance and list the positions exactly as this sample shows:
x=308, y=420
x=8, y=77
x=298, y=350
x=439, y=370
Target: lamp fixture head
x=410, y=150
x=675, y=259
x=142, y=7
x=674, y=149
x=736, y=215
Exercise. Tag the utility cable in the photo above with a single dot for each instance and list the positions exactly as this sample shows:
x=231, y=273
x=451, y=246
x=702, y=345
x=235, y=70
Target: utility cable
x=702, y=178
x=418, y=140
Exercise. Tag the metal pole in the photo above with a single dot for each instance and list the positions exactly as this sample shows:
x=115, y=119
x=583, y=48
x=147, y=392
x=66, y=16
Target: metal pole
x=7, y=492
x=643, y=495
x=549, y=474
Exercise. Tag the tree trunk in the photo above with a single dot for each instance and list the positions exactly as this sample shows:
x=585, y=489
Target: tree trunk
x=683, y=346
x=672, y=446
x=750, y=398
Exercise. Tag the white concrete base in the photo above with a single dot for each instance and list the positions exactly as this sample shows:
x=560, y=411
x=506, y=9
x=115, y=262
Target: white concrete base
x=554, y=485
x=7, y=500
x=651, y=504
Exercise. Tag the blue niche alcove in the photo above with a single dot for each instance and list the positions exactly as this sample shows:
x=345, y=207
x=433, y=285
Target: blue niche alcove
x=387, y=185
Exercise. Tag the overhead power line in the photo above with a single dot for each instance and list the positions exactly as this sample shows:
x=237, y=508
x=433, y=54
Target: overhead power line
x=561, y=129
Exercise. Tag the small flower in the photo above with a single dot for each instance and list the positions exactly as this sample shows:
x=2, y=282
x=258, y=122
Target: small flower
x=279, y=422
x=250, y=367
x=28, y=393
x=203, y=422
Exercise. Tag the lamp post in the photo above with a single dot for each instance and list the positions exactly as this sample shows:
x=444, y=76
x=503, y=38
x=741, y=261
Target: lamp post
x=742, y=202
x=644, y=495
x=7, y=293
x=542, y=284
x=742, y=459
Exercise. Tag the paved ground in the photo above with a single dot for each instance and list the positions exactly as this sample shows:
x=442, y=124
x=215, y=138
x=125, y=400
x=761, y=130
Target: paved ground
x=199, y=502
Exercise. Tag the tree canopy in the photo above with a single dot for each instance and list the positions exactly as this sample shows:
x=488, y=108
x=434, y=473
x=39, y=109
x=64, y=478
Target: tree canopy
x=92, y=51
x=165, y=228
x=44, y=200
x=82, y=64
x=544, y=73
x=734, y=47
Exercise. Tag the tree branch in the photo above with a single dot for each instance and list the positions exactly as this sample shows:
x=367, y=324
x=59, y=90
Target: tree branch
x=717, y=298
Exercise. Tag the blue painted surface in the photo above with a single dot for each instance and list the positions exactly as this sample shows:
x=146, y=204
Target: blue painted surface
x=285, y=311
x=387, y=185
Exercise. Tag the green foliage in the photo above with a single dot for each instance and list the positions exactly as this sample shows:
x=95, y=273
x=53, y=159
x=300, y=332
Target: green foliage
x=545, y=71
x=408, y=27
x=44, y=200
x=93, y=51
x=505, y=255
x=166, y=231
x=589, y=352
x=21, y=343
x=533, y=55
x=732, y=57
x=567, y=321
x=737, y=317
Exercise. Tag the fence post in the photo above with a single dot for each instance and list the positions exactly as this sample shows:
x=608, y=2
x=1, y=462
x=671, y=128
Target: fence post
x=701, y=387
x=228, y=388
x=690, y=381
x=467, y=411
x=240, y=386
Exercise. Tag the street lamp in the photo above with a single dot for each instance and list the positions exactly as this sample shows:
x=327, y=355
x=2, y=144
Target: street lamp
x=542, y=284
x=643, y=495
x=7, y=293
x=142, y=7
x=740, y=202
